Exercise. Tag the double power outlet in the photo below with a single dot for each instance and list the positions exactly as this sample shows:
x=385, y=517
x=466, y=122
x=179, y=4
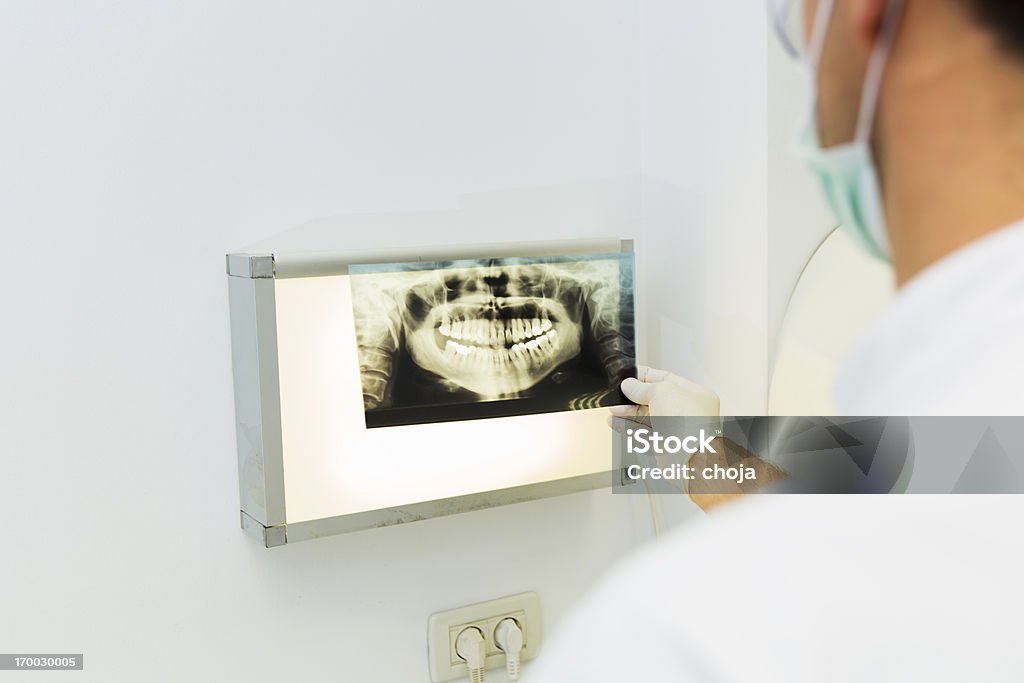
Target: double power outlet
x=444, y=628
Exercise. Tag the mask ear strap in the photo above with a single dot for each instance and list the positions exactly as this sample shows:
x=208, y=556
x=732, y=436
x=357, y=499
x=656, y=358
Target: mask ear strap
x=876, y=70
x=822, y=19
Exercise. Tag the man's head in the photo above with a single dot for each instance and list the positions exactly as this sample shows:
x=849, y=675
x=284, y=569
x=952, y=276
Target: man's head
x=939, y=160
x=933, y=26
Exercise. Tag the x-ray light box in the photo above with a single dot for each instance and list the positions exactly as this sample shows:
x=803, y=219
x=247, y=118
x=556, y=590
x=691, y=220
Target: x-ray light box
x=351, y=399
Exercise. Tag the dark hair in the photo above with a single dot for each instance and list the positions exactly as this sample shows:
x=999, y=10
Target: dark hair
x=1005, y=18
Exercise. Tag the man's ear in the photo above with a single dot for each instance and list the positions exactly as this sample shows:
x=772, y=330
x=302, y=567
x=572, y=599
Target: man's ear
x=865, y=20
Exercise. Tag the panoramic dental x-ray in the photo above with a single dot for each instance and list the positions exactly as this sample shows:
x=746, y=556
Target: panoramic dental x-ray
x=460, y=340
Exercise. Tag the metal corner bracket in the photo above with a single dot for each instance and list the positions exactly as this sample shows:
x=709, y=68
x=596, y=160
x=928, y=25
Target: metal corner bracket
x=269, y=536
x=252, y=266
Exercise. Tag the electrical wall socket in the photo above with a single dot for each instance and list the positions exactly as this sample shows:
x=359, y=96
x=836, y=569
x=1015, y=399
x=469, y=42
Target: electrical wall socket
x=444, y=628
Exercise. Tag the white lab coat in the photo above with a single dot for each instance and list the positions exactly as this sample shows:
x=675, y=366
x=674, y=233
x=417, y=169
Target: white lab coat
x=952, y=342
x=809, y=588
x=845, y=588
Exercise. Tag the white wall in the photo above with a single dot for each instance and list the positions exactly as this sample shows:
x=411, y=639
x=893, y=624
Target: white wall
x=704, y=129
x=142, y=141
x=798, y=218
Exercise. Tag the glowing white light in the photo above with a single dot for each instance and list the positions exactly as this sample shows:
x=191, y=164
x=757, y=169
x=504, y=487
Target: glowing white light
x=335, y=466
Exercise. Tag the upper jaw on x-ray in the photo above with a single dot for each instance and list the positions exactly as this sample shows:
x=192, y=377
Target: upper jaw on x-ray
x=494, y=330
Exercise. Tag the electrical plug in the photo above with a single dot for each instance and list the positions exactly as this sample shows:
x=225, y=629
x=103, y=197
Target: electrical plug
x=471, y=646
x=509, y=637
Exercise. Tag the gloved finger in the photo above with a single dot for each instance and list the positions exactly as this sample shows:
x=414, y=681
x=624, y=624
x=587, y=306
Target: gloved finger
x=621, y=424
x=623, y=417
x=626, y=411
x=687, y=384
x=647, y=374
x=637, y=391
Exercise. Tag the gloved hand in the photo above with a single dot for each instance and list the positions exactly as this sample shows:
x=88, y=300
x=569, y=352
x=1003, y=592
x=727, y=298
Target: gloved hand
x=660, y=393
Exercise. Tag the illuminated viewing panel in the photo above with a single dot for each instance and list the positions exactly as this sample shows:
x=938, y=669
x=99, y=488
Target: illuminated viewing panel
x=335, y=465
x=389, y=393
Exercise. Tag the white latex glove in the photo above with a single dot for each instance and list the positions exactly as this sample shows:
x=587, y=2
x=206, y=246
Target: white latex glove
x=660, y=393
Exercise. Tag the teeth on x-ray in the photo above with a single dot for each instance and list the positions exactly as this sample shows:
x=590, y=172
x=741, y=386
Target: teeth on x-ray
x=494, y=332
x=510, y=347
x=494, y=346
x=432, y=334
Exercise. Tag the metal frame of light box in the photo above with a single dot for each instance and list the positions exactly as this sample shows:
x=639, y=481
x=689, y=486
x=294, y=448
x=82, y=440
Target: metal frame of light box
x=251, y=291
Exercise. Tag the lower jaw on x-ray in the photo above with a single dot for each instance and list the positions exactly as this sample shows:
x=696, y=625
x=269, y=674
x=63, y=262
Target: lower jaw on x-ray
x=472, y=339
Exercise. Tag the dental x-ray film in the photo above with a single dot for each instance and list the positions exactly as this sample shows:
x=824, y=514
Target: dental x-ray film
x=460, y=340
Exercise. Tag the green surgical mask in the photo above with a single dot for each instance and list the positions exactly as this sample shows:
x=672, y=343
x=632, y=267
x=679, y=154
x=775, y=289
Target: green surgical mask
x=847, y=172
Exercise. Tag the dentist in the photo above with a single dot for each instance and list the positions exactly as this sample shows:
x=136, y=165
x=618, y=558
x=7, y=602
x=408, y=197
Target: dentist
x=916, y=131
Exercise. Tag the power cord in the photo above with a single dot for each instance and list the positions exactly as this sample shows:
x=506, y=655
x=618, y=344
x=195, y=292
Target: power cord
x=652, y=503
x=471, y=646
x=509, y=638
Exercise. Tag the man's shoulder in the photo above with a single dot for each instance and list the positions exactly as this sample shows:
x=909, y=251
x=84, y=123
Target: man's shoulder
x=949, y=343
x=763, y=589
